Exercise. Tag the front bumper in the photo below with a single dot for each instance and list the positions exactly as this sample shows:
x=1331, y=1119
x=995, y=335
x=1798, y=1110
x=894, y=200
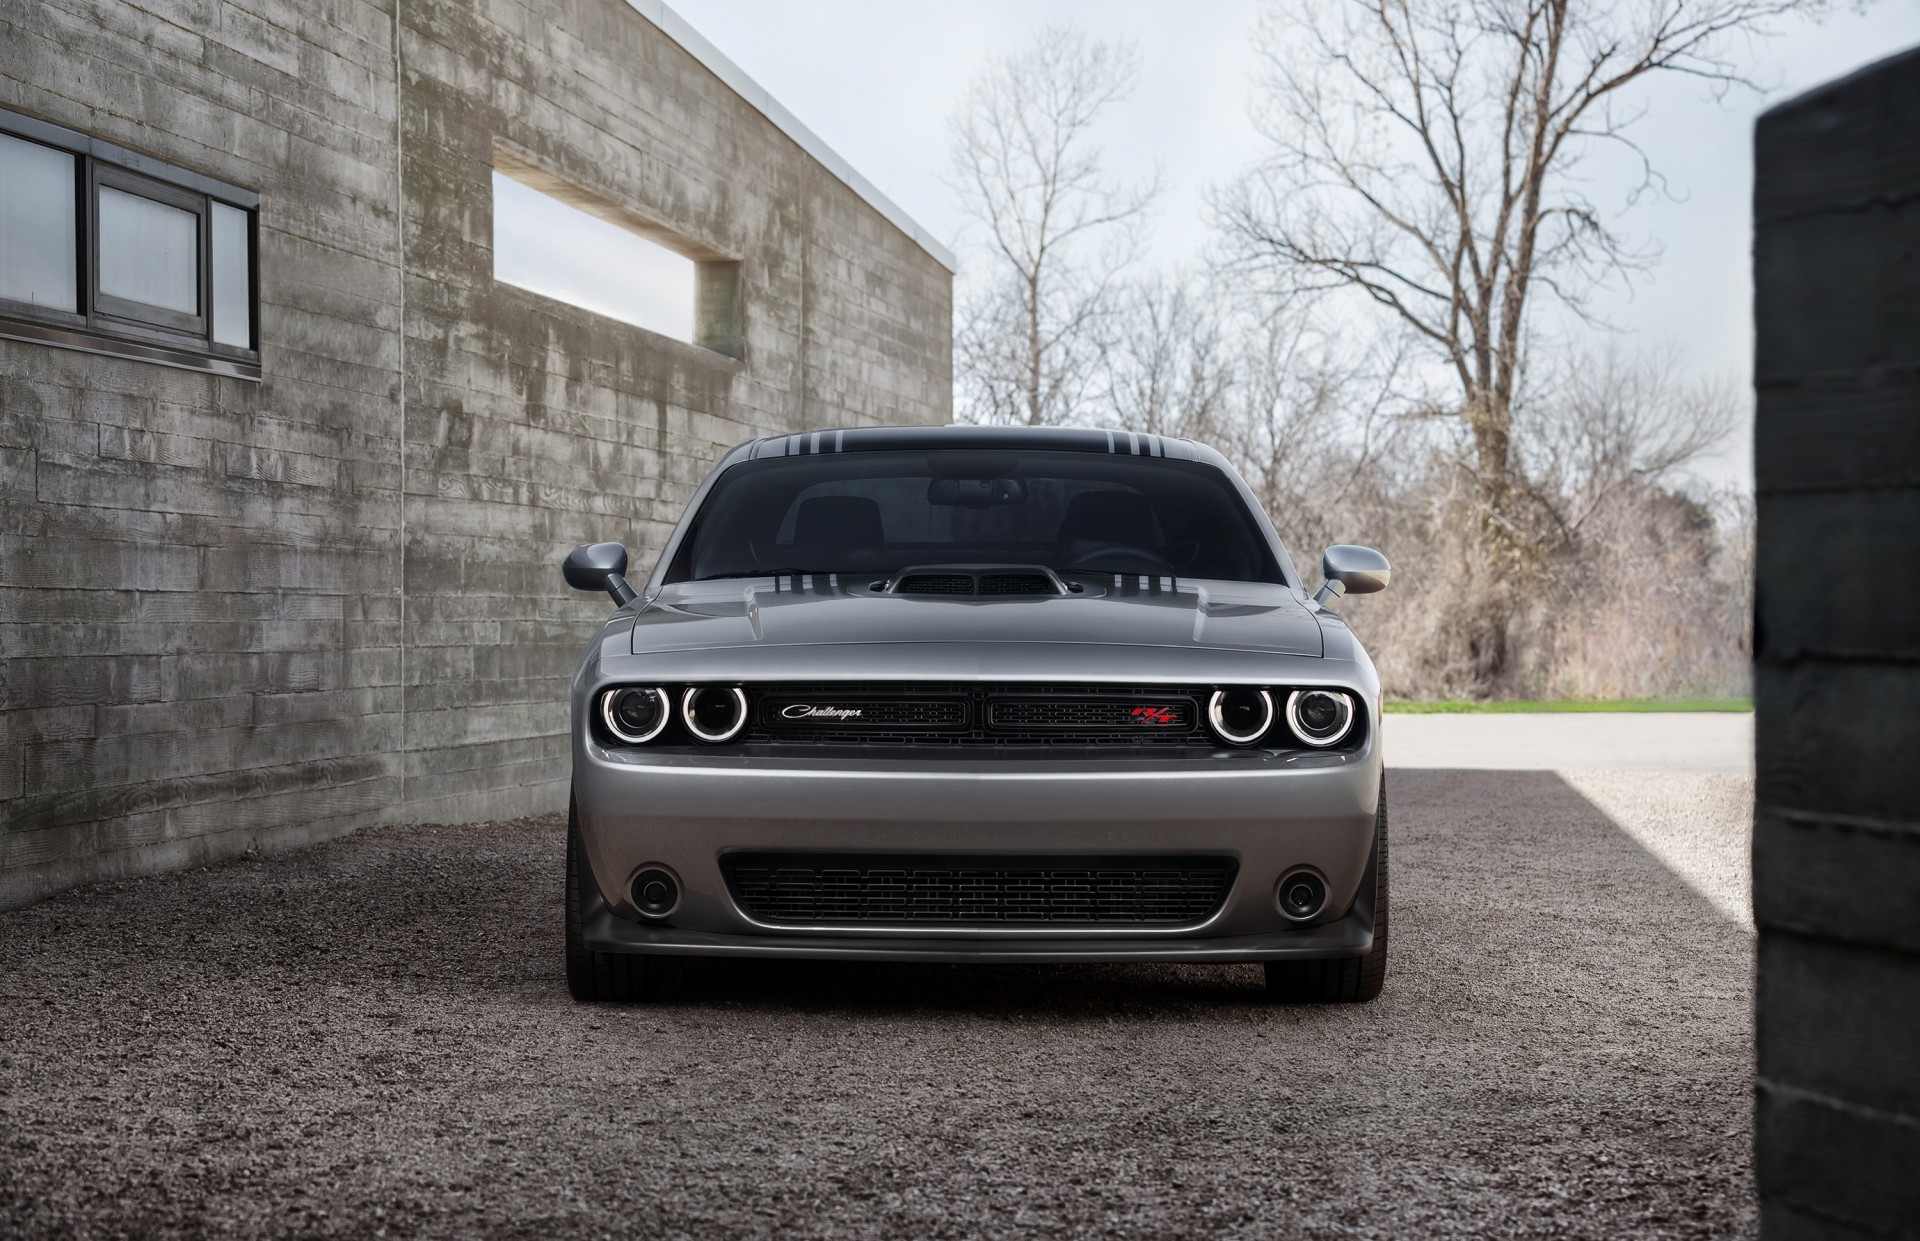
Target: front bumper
x=1271, y=811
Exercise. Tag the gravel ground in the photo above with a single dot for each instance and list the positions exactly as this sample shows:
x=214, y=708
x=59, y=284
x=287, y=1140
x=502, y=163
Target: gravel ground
x=372, y=1037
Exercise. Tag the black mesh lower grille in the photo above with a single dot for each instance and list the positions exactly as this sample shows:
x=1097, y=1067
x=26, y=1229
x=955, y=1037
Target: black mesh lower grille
x=815, y=889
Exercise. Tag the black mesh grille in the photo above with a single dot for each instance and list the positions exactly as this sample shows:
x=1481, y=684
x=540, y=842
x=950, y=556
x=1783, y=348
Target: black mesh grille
x=954, y=582
x=935, y=584
x=1016, y=584
x=1128, y=714
x=821, y=888
x=975, y=715
x=808, y=716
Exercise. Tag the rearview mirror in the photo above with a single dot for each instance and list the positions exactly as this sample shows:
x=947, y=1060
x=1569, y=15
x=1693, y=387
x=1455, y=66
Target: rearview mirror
x=1351, y=570
x=975, y=492
x=599, y=566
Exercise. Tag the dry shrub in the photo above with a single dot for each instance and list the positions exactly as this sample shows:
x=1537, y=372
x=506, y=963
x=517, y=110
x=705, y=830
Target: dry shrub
x=1615, y=576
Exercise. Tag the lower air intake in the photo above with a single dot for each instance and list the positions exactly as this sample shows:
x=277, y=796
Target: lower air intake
x=826, y=889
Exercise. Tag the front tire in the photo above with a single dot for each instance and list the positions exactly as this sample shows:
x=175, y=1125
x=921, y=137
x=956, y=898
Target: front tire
x=618, y=976
x=1343, y=980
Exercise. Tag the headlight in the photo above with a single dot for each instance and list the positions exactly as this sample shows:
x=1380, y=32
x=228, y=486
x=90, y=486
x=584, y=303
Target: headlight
x=1240, y=716
x=714, y=714
x=635, y=716
x=1320, y=717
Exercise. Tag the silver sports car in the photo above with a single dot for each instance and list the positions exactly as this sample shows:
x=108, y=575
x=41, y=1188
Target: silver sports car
x=976, y=694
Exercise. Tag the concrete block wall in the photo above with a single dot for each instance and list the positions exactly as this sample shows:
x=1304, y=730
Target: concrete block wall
x=199, y=603
x=1837, y=654
x=240, y=615
x=532, y=427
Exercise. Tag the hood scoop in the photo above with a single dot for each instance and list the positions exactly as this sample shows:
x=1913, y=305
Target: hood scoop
x=976, y=580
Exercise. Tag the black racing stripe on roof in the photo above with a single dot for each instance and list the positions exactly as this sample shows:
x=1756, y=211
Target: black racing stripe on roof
x=1031, y=439
x=886, y=439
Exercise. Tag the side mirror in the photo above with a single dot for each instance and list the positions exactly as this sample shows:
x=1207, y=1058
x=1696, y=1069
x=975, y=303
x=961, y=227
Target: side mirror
x=1351, y=570
x=599, y=566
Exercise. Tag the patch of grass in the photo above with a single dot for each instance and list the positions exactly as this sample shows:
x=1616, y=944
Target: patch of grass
x=1558, y=705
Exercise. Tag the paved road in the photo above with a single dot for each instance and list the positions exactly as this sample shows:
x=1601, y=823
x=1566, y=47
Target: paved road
x=1677, y=741
x=374, y=1034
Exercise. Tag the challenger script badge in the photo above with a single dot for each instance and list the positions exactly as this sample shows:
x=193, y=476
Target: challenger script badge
x=802, y=711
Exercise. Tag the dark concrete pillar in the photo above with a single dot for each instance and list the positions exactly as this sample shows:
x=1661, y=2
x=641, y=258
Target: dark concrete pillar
x=1836, y=853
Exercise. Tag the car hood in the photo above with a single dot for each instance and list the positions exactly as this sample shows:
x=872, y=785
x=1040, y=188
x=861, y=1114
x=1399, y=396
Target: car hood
x=1124, y=611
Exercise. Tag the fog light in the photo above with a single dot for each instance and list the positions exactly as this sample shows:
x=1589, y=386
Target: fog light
x=635, y=716
x=1300, y=895
x=1240, y=716
x=714, y=715
x=1319, y=717
x=655, y=893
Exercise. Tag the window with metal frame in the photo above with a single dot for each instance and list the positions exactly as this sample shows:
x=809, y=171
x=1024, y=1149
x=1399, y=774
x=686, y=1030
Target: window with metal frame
x=106, y=250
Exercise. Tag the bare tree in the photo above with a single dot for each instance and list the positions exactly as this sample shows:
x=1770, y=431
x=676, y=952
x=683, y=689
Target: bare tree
x=1056, y=230
x=1619, y=423
x=1168, y=368
x=1424, y=156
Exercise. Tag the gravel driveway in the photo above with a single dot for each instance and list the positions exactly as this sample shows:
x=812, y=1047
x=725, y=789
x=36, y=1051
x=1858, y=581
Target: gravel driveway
x=308, y=1045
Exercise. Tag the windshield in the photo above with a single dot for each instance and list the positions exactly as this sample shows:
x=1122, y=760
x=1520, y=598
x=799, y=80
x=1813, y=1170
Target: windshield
x=877, y=512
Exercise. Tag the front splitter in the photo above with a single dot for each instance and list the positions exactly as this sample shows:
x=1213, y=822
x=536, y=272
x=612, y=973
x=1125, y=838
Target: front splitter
x=1351, y=936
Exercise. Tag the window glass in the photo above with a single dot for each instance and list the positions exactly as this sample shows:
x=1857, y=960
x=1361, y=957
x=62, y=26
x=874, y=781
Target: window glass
x=876, y=512
x=149, y=252
x=37, y=225
x=556, y=249
x=232, y=316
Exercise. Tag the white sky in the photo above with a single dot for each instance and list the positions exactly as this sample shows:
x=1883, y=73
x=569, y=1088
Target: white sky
x=558, y=250
x=877, y=79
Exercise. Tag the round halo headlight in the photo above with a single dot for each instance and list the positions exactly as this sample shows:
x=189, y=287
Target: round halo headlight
x=1320, y=717
x=635, y=715
x=1240, y=716
x=714, y=713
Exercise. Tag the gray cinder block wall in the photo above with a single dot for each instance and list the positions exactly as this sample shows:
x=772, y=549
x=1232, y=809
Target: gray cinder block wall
x=238, y=615
x=1837, y=651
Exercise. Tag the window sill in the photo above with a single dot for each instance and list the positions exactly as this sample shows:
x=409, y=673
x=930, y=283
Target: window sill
x=161, y=355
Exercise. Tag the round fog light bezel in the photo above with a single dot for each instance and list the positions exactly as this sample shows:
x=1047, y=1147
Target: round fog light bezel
x=1219, y=725
x=612, y=721
x=1345, y=701
x=1300, y=875
x=693, y=725
x=652, y=873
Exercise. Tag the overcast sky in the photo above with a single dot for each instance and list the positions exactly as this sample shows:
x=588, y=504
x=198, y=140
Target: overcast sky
x=877, y=79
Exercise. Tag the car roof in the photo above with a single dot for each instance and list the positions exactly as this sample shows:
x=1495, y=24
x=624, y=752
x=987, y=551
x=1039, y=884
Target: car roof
x=1028, y=439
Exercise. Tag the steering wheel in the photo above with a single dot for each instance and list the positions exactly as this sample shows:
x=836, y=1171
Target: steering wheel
x=1118, y=558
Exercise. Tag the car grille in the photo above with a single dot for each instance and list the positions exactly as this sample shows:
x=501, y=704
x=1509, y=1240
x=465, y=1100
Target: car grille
x=814, y=889
x=881, y=714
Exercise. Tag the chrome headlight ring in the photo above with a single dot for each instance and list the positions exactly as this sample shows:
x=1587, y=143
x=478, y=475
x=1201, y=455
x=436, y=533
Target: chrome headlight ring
x=612, y=721
x=1343, y=706
x=693, y=724
x=1216, y=717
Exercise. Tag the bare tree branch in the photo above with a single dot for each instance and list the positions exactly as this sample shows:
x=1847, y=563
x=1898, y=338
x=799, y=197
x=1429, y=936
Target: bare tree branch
x=1057, y=231
x=1423, y=158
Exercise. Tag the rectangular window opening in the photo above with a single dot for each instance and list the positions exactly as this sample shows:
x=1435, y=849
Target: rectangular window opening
x=155, y=264
x=560, y=241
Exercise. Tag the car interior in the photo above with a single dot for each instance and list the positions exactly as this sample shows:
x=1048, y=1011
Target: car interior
x=878, y=512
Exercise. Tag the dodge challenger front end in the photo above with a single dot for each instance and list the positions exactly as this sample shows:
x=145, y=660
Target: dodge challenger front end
x=972, y=694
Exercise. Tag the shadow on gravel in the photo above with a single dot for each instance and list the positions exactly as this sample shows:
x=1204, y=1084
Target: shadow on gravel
x=856, y=988
x=375, y=1034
